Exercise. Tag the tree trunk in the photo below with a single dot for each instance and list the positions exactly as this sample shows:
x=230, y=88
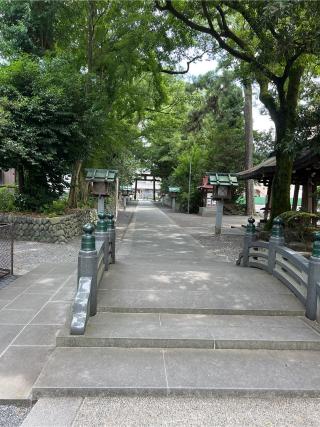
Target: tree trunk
x=295, y=197
x=91, y=16
x=74, y=186
x=248, y=123
x=281, y=184
x=21, y=185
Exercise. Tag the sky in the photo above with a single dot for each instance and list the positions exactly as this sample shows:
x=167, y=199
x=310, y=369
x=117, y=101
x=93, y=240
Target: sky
x=261, y=122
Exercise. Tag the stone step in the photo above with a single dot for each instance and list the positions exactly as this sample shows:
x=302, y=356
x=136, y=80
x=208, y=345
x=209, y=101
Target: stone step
x=106, y=371
x=185, y=302
x=194, y=331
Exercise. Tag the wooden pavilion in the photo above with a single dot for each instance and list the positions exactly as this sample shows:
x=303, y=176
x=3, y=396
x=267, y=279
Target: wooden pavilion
x=306, y=173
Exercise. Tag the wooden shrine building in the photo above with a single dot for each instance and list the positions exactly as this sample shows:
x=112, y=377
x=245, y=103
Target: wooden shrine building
x=306, y=173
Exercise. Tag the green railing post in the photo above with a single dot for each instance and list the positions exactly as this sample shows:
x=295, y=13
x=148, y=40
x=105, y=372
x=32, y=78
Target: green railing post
x=88, y=263
x=88, y=240
x=249, y=237
x=313, y=279
x=112, y=236
x=102, y=235
x=276, y=239
x=102, y=226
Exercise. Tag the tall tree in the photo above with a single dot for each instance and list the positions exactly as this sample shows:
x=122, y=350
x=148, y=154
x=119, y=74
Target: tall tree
x=248, y=135
x=276, y=40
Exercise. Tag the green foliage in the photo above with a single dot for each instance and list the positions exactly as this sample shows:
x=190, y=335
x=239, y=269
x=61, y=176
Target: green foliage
x=7, y=199
x=299, y=224
x=56, y=207
x=294, y=218
x=46, y=124
x=195, y=201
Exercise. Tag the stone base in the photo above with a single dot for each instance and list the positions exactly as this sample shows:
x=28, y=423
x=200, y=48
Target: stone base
x=58, y=229
x=208, y=211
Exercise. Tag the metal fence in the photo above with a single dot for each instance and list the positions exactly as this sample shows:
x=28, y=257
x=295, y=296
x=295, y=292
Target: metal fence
x=6, y=249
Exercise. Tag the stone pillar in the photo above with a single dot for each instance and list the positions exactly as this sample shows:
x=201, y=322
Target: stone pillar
x=102, y=235
x=101, y=203
x=219, y=215
x=276, y=239
x=173, y=204
x=249, y=237
x=88, y=264
x=313, y=279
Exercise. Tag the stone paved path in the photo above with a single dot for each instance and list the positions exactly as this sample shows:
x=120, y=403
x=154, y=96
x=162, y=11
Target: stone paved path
x=171, y=320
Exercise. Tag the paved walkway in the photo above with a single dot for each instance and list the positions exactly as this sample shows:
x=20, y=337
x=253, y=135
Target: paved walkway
x=163, y=310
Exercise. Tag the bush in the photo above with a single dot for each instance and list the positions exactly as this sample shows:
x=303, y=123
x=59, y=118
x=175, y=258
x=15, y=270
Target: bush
x=299, y=225
x=7, y=199
x=55, y=208
x=195, y=201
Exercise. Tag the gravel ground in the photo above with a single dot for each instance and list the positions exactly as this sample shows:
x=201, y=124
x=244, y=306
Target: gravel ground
x=198, y=412
x=225, y=247
x=13, y=415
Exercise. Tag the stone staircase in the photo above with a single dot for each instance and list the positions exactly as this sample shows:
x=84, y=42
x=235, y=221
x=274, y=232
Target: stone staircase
x=159, y=352
x=168, y=324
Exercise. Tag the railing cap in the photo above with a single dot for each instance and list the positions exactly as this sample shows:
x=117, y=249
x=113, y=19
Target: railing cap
x=277, y=227
x=251, y=228
x=88, y=240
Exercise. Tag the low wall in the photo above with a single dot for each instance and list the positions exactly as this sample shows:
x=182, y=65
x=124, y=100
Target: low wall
x=58, y=229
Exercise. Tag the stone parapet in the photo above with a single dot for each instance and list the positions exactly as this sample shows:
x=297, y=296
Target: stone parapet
x=58, y=229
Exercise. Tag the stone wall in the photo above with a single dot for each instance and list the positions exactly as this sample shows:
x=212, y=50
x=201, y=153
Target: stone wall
x=58, y=229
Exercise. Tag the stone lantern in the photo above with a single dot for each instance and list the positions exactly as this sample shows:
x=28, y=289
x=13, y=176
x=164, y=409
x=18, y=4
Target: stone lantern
x=222, y=184
x=101, y=181
x=173, y=192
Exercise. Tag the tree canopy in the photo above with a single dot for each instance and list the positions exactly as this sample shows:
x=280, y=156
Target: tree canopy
x=100, y=83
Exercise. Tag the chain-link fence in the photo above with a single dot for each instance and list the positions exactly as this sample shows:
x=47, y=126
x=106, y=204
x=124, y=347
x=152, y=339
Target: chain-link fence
x=6, y=249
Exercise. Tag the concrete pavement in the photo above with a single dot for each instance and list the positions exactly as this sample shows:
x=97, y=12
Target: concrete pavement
x=173, y=321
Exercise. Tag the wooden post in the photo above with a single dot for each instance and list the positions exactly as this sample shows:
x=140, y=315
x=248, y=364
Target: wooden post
x=304, y=204
x=154, y=188
x=135, y=188
x=295, y=197
x=117, y=197
x=309, y=194
x=268, y=203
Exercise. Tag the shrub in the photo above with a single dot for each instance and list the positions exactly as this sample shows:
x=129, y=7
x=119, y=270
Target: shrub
x=7, y=199
x=195, y=201
x=55, y=208
x=299, y=224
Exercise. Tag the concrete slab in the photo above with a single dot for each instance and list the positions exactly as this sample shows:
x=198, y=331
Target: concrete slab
x=81, y=372
x=243, y=371
x=105, y=371
x=19, y=368
x=211, y=276
x=29, y=301
x=16, y=317
x=193, y=331
x=54, y=313
x=199, y=302
x=37, y=335
x=53, y=412
x=7, y=334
